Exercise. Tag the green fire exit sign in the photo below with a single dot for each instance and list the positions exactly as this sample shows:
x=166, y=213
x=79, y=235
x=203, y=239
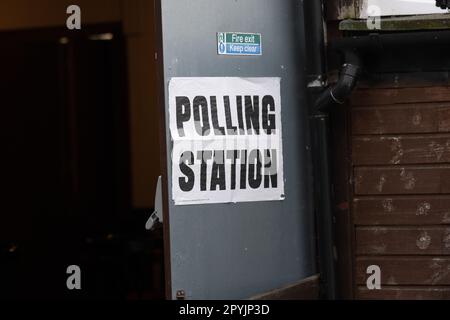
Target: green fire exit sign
x=237, y=43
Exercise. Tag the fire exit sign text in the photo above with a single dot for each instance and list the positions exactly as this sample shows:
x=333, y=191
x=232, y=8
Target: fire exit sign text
x=237, y=43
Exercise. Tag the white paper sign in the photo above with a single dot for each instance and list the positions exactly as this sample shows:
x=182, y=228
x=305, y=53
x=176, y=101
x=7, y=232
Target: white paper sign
x=227, y=140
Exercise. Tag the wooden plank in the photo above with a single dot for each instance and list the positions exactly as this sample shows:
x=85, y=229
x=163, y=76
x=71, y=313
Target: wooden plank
x=402, y=180
x=404, y=80
x=367, y=97
x=406, y=270
x=406, y=210
x=402, y=240
x=307, y=289
x=404, y=293
x=401, y=119
x=402, y=23
x=384, y=150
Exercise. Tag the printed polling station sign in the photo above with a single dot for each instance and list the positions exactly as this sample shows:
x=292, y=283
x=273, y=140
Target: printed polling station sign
x=227, y=144
x=241, y=44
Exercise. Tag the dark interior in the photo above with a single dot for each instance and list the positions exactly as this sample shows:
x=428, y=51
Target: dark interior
x=65, y=160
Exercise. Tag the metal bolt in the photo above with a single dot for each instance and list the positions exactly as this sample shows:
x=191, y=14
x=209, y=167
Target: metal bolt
x=181, y=295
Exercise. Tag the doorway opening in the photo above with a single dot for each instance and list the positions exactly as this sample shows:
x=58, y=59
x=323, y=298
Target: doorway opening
x=67, y=169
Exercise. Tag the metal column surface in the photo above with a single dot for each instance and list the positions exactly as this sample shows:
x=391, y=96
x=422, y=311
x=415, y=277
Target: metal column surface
x=236, y=251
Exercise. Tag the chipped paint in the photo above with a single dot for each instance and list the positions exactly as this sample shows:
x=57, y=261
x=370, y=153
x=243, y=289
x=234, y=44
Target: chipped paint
x=391, y=280
x=388, y=205
x=379, y=249
x=441, y=272
x=381, y=183
x=446, y=218
x=437, y=277
x=378, y=231
x=408, y=179
x=417, y=118
x=397, y=149
x=446, y=239
x=437, y=149
x=424, y=241
x=423, y=209
x=435, y=263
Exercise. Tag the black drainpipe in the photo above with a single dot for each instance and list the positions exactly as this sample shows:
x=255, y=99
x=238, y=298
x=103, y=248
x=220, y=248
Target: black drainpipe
x=316, y=75
x=341, y=90
x=322, y=103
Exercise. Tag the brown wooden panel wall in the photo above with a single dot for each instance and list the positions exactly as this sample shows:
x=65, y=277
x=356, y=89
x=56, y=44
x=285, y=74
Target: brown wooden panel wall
x=400, y=166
